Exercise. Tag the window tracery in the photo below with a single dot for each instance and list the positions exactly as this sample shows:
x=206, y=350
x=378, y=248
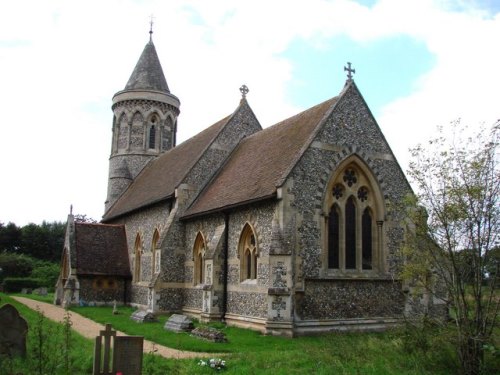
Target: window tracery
x=352, y=241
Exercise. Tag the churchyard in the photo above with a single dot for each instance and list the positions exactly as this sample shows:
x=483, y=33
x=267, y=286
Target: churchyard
x=406, y=351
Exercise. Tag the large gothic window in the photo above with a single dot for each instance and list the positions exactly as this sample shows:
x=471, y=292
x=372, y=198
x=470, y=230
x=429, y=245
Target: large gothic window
x=137, y=259
x=352, y=240
x=155, y=252
x=199, y=259
x=248, y=254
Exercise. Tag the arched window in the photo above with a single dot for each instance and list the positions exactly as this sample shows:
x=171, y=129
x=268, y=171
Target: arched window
x=137, y=259
x=248, y=254
x=152, y=132
x=199, y=259
x=352, y=239
x=155, y=252
x=137, y=132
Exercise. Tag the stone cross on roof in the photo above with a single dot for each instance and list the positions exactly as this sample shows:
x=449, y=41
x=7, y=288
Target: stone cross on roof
x=349, y=71
x=244, y=91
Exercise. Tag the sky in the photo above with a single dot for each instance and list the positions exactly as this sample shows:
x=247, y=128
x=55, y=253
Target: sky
x=419, y=64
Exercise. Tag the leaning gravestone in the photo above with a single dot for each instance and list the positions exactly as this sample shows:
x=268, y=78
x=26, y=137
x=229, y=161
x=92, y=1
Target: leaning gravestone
x=127, y=353
x=178, y=323
x=13, y=330
x=141, y=316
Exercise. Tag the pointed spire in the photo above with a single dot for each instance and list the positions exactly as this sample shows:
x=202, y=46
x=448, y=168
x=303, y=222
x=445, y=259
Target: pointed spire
x=148, y=74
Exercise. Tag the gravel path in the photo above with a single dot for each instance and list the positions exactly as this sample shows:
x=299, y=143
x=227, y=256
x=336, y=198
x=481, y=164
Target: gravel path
x=90, y=329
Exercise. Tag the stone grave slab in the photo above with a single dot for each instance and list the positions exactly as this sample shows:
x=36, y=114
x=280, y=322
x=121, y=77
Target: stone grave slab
x=13, y=330
x=142, y=316
x=179, y=323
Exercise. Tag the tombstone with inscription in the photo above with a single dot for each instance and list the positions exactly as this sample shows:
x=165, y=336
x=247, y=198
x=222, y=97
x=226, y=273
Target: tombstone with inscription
x=178, y=323
x=142, y=316
x=13, y=330
x=127, y=353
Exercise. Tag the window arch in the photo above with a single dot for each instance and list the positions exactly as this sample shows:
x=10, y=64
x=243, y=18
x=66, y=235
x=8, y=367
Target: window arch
x=354, y=221
x=137, y=258
x=155, y=252
x=199, y=259
x=248, y=254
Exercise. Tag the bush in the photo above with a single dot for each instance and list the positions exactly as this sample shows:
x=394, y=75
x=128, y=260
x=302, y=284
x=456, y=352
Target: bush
x=47, y=273
x=16, y=284
x=15, y=265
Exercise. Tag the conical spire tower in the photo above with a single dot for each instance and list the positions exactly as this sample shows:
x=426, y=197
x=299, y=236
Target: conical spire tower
x=144, y=122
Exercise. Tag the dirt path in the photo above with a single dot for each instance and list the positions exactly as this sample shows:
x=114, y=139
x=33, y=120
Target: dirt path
x=90, y=329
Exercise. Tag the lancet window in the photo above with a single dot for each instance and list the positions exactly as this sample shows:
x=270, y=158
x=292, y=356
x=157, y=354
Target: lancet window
x=199, y=259
x=248, y=253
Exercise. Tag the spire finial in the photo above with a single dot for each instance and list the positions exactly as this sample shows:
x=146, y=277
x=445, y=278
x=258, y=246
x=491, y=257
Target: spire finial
x=71, y=209
x=244, y=91
x=151, y=18
x=349, y=71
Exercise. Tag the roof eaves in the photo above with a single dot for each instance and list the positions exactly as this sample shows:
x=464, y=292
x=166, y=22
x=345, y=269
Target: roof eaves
x=128, y=212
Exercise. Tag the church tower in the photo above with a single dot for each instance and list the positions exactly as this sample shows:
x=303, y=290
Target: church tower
x=144, y=122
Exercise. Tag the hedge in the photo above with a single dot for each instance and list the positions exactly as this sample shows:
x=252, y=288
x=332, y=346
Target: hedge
x=16, y=284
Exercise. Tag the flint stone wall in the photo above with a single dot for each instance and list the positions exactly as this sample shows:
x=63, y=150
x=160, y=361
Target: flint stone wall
x=348, y=299
x=90, y=293
x=247, y=304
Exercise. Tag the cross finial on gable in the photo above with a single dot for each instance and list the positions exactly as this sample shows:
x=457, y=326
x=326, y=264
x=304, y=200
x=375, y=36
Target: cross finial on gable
x=244, y=91
x=349, y=71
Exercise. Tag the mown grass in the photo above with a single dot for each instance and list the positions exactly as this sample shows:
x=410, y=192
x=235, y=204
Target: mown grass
x=248, y=352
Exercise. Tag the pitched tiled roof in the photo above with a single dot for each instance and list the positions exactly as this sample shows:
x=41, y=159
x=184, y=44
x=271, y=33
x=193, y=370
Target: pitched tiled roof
x=161, y=176
x=148, y=74
x=101, y=249
x=261, y=162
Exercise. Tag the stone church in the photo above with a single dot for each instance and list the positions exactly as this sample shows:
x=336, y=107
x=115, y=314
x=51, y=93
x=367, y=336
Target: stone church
x=290, y=229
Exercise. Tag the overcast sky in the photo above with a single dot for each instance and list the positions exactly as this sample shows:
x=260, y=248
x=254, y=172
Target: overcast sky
x=419, y=64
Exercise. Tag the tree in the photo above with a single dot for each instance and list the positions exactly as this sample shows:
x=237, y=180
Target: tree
x=458, y=183
x=10, y=237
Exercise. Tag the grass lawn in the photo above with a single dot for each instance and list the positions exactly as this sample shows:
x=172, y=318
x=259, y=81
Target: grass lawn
x=249, y=352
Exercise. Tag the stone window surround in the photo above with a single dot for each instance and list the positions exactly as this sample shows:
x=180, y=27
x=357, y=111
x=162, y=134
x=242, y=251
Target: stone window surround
x=248, y=253
x=155, y=252
x=373, y=201
x=199, y=250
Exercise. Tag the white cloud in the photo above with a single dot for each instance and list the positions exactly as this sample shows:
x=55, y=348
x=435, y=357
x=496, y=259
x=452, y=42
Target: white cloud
x=61, y=62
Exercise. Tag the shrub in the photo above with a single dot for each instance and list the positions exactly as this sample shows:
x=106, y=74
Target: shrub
x=15, y=265
x=16, y=284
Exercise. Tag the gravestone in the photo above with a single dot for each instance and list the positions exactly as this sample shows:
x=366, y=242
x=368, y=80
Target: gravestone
x=142, y=316
x=127, y=353
x=13, y=330
x=41, y=291
x=178, y=323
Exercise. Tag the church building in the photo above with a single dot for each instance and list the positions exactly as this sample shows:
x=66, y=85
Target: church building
x=290, y=229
